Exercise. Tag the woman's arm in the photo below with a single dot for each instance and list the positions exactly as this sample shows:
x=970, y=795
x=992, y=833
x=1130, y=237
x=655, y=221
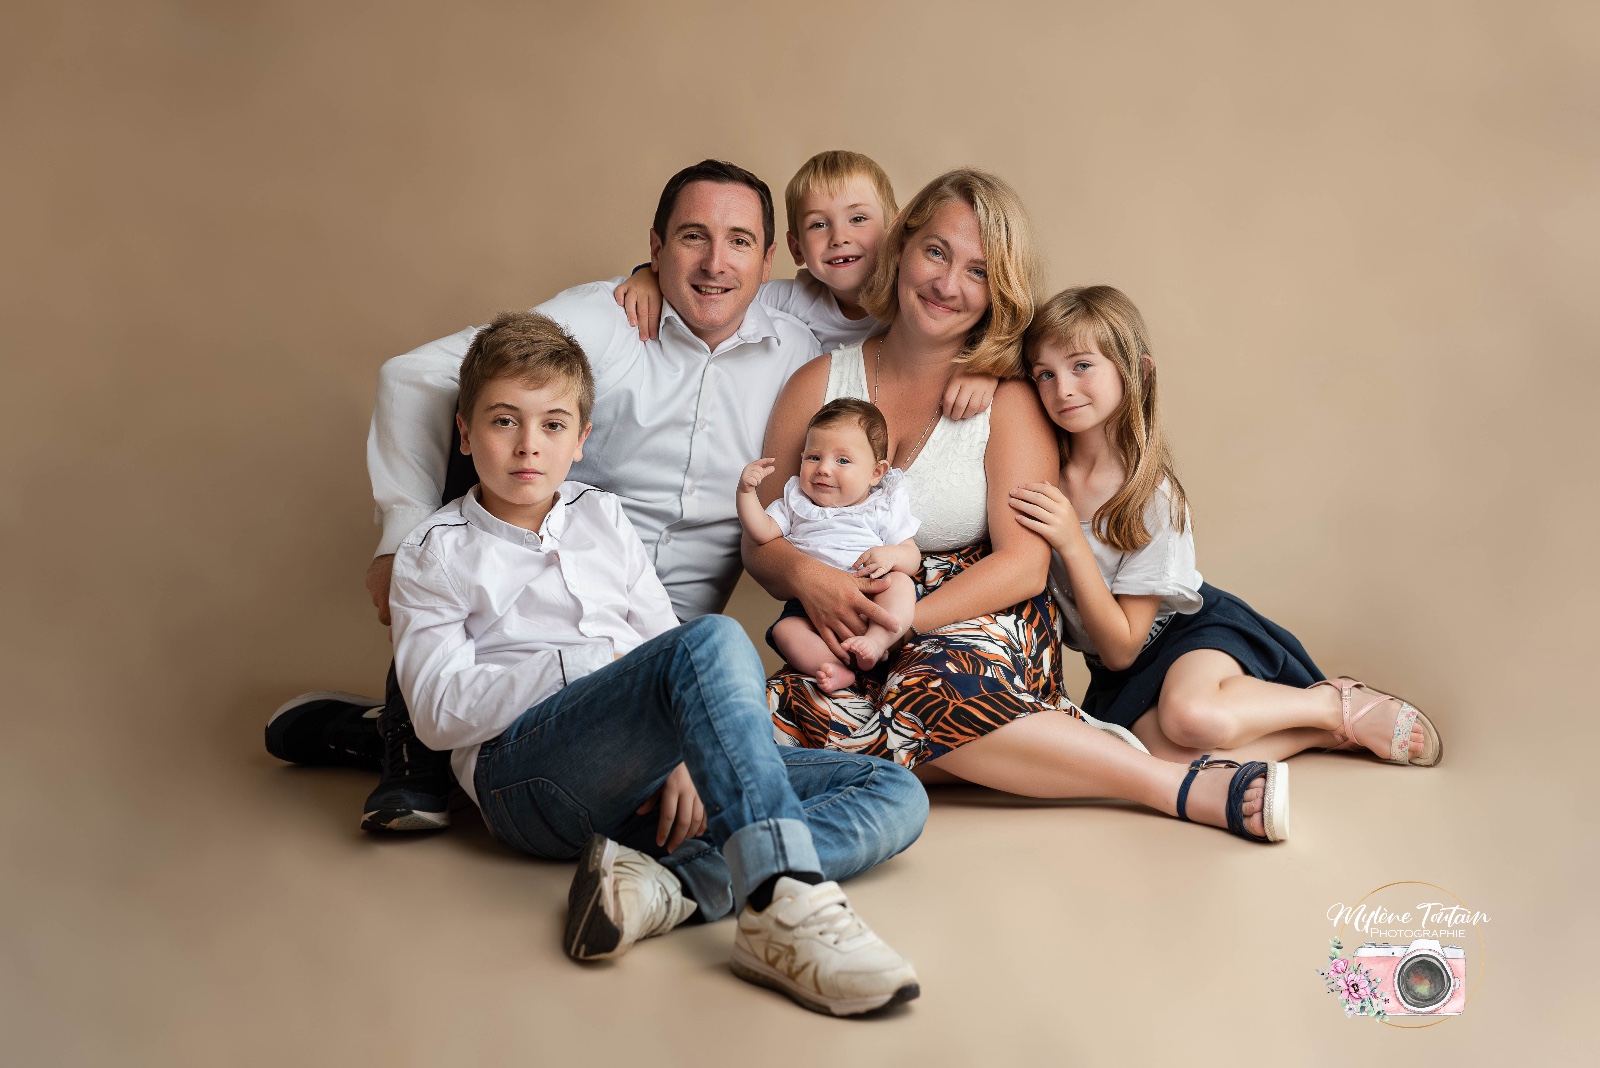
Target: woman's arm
x=1118, y=625
x=838, y=604
x=1022, y=449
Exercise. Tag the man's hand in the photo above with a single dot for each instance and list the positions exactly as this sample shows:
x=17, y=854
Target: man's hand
x=378, y=575
x=682, y=815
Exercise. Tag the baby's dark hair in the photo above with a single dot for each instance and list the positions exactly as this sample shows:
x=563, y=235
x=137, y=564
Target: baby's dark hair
x=860, y=412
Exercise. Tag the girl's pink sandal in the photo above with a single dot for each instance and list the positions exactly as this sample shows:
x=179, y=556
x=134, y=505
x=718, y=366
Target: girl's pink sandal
x=1400, y=742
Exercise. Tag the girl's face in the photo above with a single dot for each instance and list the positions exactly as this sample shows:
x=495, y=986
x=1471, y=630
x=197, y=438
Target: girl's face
x=1079, y=386
x=943, y=286
x=837, y=467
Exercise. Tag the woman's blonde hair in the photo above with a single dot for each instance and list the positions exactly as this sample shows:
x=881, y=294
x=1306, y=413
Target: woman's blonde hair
x=1107, y=317
x=994, y=345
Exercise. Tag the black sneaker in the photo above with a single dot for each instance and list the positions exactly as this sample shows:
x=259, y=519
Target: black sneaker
x=328, y=727
x=414, y=793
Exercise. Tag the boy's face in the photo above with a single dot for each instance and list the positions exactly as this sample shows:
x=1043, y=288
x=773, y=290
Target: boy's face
x=523, y=441
x=837, y=467
x=839, y=235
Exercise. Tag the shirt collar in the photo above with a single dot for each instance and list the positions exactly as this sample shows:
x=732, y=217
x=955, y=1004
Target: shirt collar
x=756, y=326
x=546, y=539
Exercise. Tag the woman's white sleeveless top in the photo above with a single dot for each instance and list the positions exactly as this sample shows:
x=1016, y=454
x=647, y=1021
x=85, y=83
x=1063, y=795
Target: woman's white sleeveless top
x=948, y=487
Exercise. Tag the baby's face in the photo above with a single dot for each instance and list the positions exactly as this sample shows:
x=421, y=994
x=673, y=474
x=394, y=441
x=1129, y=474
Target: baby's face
x=837, y=467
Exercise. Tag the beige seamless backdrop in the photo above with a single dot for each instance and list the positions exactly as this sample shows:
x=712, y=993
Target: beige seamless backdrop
x=1366, y=237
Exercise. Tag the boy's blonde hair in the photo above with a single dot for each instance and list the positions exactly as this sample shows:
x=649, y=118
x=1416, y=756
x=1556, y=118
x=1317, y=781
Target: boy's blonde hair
x=827, y=172
x=994, y=345
x=531, y=348
x=1107, y=317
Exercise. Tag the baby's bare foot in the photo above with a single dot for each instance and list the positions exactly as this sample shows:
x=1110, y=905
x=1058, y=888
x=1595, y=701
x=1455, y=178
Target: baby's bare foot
x=1208, y=799
x=866, y=651
x=831, y=677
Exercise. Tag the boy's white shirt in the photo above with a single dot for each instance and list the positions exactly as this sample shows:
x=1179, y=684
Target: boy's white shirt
x=490, y=618
x=675, y=423
x=814, y=304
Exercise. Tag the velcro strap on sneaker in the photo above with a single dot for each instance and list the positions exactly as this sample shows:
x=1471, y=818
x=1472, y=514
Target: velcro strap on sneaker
x=793, y=911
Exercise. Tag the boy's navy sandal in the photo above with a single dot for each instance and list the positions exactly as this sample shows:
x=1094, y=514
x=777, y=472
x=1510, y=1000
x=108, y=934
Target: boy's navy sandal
x=1274, y=797
x=414, y=793
x=328, y=728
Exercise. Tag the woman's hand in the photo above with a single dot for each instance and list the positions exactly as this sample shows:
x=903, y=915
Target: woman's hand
x=682, y=814
x=1042, y=508
x=967, y=395
x=640, y=297
x=839, y=604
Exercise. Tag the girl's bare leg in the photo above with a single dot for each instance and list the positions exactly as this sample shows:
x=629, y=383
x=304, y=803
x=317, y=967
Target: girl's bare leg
x=1279, y=745
x=803, y=648
x=1050, y=754
x=1208, y=703
x=900, y=599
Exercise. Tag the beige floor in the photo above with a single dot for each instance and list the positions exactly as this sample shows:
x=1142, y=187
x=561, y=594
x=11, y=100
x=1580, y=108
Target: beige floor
x=1365, y=237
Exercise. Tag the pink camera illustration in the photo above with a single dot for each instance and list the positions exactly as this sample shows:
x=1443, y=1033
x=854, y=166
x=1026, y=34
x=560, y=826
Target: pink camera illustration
x=1422, y=979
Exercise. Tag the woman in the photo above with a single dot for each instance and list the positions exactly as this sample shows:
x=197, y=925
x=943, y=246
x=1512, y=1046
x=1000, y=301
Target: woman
x=975, y=695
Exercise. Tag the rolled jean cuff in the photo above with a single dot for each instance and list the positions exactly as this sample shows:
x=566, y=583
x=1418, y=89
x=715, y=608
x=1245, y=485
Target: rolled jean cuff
x=704, y=873
x=758, y=851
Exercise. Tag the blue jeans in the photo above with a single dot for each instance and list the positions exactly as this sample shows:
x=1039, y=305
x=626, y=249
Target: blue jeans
x=584, y=759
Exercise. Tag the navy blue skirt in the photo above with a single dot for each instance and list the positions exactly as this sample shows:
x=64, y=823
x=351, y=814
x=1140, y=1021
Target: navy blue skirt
x=1263, y=649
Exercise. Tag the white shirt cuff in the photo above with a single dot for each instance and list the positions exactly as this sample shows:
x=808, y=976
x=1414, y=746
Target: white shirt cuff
x=580, y=660
x=397, y=524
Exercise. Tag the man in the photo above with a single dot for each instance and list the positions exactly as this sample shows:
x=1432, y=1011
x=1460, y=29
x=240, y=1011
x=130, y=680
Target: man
x=679, y=416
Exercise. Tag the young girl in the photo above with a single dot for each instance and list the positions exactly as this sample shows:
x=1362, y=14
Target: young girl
x=1211, y=673
x=847, y=508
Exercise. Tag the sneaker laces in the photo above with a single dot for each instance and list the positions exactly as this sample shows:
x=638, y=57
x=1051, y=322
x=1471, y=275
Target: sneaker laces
x=403, y=754
x=835, y=922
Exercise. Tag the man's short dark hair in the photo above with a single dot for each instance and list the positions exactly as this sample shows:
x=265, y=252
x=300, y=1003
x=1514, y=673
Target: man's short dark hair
x=713, y=170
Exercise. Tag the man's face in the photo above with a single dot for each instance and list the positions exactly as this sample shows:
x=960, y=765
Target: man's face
x=523, y=441
x=710, y=261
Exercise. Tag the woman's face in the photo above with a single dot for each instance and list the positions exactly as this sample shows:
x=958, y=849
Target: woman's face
x=944, y=279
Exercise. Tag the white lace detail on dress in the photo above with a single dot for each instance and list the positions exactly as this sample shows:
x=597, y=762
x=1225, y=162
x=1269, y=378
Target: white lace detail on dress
x=947, y=485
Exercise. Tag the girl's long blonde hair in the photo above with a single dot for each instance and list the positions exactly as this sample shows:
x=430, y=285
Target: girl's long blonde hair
x=1109, y=318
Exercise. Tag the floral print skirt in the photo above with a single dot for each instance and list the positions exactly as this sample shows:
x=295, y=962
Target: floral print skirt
x=938, y=691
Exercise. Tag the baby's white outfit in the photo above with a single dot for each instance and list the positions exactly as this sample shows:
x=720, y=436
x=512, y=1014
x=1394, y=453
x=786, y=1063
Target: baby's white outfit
x=839, y=536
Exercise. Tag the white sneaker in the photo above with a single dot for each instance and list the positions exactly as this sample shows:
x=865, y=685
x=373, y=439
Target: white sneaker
x=811, y=945
x=618, y=896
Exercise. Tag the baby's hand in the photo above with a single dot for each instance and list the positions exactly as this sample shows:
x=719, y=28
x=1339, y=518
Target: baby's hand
x=967, y=395
x=640, y=297
x=876, y=562
x=755, y=472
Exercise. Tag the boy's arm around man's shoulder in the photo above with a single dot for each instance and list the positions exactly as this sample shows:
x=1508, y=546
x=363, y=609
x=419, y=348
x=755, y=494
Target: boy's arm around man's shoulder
x=456, y=701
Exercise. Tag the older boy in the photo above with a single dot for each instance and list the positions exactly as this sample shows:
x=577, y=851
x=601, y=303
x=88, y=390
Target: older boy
x=534, y=641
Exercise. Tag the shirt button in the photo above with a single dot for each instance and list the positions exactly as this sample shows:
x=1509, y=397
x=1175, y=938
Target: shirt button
x=666, y=539
x=701, y=425
x=688, y=490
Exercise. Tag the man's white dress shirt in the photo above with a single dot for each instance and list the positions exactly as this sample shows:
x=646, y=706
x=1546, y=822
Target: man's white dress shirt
x=674, y=424
x=490, y=619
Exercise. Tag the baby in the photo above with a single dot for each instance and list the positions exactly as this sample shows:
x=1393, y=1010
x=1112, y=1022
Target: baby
x=847, y=508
